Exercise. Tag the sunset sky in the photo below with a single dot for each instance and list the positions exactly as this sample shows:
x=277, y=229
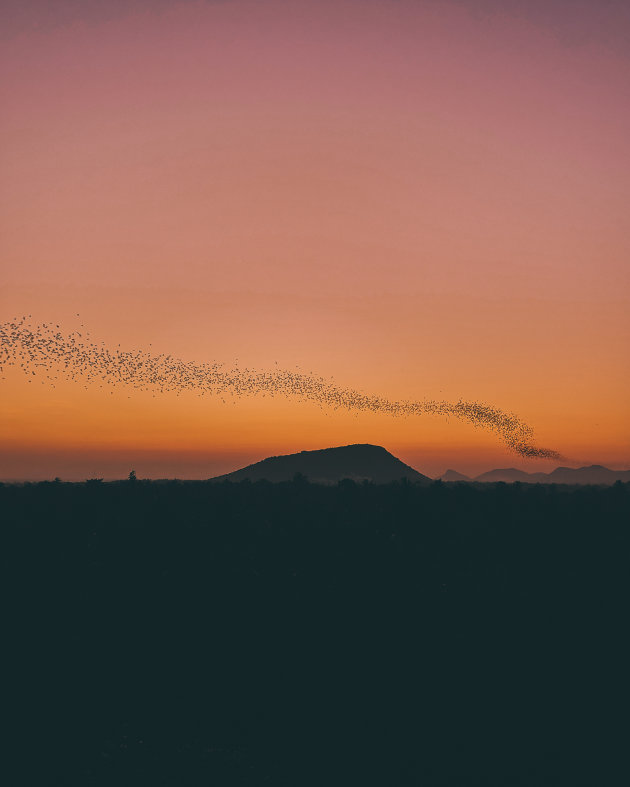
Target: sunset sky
x=424, y=198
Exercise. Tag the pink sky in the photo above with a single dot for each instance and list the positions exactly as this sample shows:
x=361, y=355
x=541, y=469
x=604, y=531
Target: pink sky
x=414, y=198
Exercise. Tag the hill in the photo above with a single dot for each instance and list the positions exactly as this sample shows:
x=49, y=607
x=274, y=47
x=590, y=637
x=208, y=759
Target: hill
x=595, y=474
x=453, y=475
x=506, y=474
x=329, y=465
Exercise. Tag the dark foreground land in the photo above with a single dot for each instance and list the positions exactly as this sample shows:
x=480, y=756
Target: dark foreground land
x=294, y=634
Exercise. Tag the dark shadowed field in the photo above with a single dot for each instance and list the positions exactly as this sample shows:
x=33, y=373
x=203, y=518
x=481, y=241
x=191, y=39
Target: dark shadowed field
x=293, y=634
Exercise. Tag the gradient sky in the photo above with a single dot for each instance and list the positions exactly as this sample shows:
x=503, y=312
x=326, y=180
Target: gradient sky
x=417, y=198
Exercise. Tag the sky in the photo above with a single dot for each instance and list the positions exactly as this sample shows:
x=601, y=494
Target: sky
x=419, y=200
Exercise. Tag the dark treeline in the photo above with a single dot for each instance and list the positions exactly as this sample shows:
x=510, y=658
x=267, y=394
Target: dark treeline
x=191, y=633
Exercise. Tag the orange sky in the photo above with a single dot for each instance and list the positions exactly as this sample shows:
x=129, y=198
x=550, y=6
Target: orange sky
x=415, y=199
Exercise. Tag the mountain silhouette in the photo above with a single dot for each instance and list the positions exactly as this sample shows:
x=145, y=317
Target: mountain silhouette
x=453, y=475
x=358, y=462
x=595, y=474
x=507, y=474
x=361, y=462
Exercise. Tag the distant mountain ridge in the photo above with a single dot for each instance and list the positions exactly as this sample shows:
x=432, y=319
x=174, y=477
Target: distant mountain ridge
x=363, y=461
x=453, y=475
x=358, y=462
x=595, y=474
